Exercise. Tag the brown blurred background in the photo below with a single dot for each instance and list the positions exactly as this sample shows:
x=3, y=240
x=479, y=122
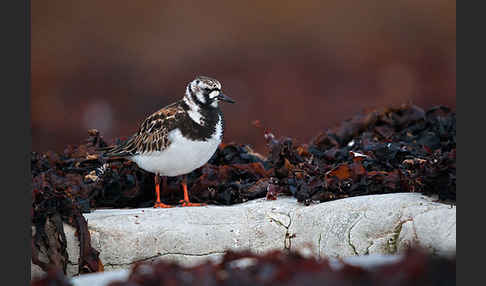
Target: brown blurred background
x=299, y=66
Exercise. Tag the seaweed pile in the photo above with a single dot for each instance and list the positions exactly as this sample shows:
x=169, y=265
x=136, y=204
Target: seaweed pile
x=403, y=149
x=279, y=268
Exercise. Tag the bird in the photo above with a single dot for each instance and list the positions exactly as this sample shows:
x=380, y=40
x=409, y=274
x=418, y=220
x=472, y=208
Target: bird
x=178, y=138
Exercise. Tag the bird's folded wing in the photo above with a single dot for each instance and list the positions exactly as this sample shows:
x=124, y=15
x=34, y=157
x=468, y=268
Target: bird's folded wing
x=151, y=136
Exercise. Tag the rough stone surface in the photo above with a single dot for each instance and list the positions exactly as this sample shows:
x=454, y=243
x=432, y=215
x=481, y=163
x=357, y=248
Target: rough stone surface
x=378, y=224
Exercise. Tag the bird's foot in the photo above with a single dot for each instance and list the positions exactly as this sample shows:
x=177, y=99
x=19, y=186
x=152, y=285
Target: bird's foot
x=162, y=205
x=189, y=204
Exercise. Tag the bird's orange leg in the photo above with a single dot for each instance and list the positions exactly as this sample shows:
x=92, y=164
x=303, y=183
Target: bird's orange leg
x=158, y=203
x=185, y=202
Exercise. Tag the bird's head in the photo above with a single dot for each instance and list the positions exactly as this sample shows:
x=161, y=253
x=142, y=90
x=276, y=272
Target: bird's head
x=206, y=92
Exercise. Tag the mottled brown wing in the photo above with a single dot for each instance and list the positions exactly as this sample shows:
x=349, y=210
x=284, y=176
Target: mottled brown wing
x=152, y=135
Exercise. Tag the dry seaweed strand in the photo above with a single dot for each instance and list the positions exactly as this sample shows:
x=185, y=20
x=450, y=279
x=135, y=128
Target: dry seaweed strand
x=54, y=202
x=49, y=213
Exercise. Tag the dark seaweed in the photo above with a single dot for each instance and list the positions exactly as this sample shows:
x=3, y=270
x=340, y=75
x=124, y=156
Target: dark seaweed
x=278, y=268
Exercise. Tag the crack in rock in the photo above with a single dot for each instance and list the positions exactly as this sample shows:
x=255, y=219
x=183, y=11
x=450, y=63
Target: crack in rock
x=288, y=236
x=349, y=235
x=398, y=229
x=392, y=242
x=367, y=252
x=165, y=254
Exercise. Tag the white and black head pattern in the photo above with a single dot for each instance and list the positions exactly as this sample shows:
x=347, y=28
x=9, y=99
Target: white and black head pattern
x=203, y=93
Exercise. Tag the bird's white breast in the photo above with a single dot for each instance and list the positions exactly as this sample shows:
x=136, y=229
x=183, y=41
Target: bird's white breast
x=182, y=156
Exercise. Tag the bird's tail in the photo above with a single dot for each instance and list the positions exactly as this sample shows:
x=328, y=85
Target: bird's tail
x=119, y=150
x=111, y=153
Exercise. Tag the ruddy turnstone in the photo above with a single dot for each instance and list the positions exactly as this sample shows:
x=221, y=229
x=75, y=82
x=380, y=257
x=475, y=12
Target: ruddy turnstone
x=178, y=138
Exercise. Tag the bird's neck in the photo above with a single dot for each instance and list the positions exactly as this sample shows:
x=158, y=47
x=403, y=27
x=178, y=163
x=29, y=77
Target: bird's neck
x=203, y=115
x=202, y=121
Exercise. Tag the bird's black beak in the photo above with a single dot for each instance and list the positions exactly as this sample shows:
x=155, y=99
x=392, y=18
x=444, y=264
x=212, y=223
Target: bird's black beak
x=225, y=98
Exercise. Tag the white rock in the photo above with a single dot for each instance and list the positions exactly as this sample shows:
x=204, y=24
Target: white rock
x=367, y=262
x=377, y=224
x=101, y=278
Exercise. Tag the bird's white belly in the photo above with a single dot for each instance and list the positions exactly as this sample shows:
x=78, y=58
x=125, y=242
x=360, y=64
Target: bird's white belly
x=182, y=156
